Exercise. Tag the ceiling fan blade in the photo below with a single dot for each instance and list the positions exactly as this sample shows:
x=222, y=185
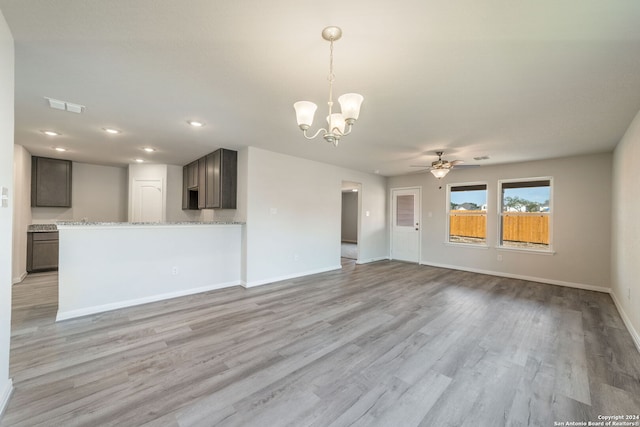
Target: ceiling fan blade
x=456, y=162
x=417, y=172
x=466, y=166
x=420, y=166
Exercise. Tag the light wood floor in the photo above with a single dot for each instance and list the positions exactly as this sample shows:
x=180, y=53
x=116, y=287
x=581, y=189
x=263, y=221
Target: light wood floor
x=389, y=344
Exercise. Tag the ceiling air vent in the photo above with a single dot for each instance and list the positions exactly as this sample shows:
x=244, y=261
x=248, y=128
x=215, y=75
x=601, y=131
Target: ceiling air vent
x=65, y=106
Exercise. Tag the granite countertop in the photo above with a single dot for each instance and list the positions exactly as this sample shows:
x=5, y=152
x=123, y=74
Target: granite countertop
x=42, y=228
x=121, y=224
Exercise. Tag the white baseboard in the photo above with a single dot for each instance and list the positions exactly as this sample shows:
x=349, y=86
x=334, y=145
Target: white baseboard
x=5, y=395
x=523, y=277
x=368, y=260
x=64, y=315
x=19, y=279
x=288, y=276
x=627, y=322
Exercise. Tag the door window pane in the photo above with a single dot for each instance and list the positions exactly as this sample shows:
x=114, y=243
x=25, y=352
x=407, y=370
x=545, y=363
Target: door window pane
x=404, y=211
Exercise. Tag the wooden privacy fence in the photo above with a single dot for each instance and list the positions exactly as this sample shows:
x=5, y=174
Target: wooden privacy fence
x=468, y=223
x=530, y=227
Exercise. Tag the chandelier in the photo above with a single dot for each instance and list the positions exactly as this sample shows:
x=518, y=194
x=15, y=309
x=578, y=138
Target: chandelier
x=340, y=124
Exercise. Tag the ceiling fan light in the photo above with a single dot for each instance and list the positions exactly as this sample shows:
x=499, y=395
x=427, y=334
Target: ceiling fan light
x=439, y=173
x=336, y=120
x=350, y=105
x=305, y=110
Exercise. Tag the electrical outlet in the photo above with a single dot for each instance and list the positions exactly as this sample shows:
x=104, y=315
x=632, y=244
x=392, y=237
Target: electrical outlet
x=296, y=257
x=499, y=258
x=174, y=271
x=629, y=293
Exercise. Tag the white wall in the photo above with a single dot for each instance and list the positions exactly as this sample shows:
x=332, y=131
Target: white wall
x=99, y=193
x=349, y=231
x=625, y=246
x=136, y=264
x=6, y=214
x=21, y=210
x=293, y=216
x=581, y=222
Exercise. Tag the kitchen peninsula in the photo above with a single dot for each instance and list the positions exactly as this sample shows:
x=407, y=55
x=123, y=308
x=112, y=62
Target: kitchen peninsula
x=105, y=266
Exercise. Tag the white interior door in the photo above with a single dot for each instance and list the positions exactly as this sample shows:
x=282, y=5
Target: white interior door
x=148, y=200
x=405, y=228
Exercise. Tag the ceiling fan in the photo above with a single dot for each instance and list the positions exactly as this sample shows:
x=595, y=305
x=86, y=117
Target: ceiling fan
x=440, y=168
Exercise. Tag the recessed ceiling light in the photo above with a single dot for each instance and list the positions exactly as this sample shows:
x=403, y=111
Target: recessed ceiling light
x=50, y=133
x=195, y=123
x=149, y=149
x=111, y=131
x=60, y=149
x=139, y=161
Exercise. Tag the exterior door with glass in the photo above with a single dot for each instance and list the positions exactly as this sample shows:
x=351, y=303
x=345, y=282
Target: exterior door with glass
x=405, y=228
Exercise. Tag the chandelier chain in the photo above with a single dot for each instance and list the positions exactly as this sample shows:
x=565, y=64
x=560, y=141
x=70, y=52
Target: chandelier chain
x=331, y=79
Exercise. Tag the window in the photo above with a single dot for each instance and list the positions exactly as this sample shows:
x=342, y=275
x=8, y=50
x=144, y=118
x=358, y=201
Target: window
x=467, y=213
x=525, y=214
x=404, y=211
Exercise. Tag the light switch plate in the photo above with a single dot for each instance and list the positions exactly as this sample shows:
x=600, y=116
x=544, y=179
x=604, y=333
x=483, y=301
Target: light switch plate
x=4, y=191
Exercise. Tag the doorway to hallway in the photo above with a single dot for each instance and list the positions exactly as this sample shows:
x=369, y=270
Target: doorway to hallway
x=350, y=219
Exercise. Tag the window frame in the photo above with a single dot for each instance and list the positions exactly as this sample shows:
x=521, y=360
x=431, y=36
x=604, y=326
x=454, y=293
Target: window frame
x=500, y=214
x=447, y=235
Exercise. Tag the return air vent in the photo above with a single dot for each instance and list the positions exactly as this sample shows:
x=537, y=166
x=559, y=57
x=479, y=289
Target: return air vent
x=57, y=104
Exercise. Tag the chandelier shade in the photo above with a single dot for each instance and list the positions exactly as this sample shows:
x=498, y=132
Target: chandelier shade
x=339, y=123
x=305, y=111
x=350, y=105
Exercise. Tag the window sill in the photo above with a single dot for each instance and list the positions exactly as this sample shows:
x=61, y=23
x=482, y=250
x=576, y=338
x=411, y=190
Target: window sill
x=529, y=251
x=466, y=245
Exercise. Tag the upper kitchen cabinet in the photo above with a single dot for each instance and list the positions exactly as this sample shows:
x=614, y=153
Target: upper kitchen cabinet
x=210, y=182
x=192, y=175
x=202, y=178
x=222, y=177
x=50, y=182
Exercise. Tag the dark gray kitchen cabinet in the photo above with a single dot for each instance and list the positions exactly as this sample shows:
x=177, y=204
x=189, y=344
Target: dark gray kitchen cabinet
x=213, y=168
x=211, y=181
x=50, y=182
x=189, y=190
x=185, y=188
x=42, y=251
x=192, y=174
x=222, y=177
x=202, y=179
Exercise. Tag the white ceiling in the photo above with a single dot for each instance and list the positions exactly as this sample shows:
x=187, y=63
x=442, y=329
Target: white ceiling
x=516, y=81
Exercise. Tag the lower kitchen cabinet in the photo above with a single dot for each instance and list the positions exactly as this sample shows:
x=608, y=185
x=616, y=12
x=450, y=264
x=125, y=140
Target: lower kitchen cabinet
x=42, y=251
